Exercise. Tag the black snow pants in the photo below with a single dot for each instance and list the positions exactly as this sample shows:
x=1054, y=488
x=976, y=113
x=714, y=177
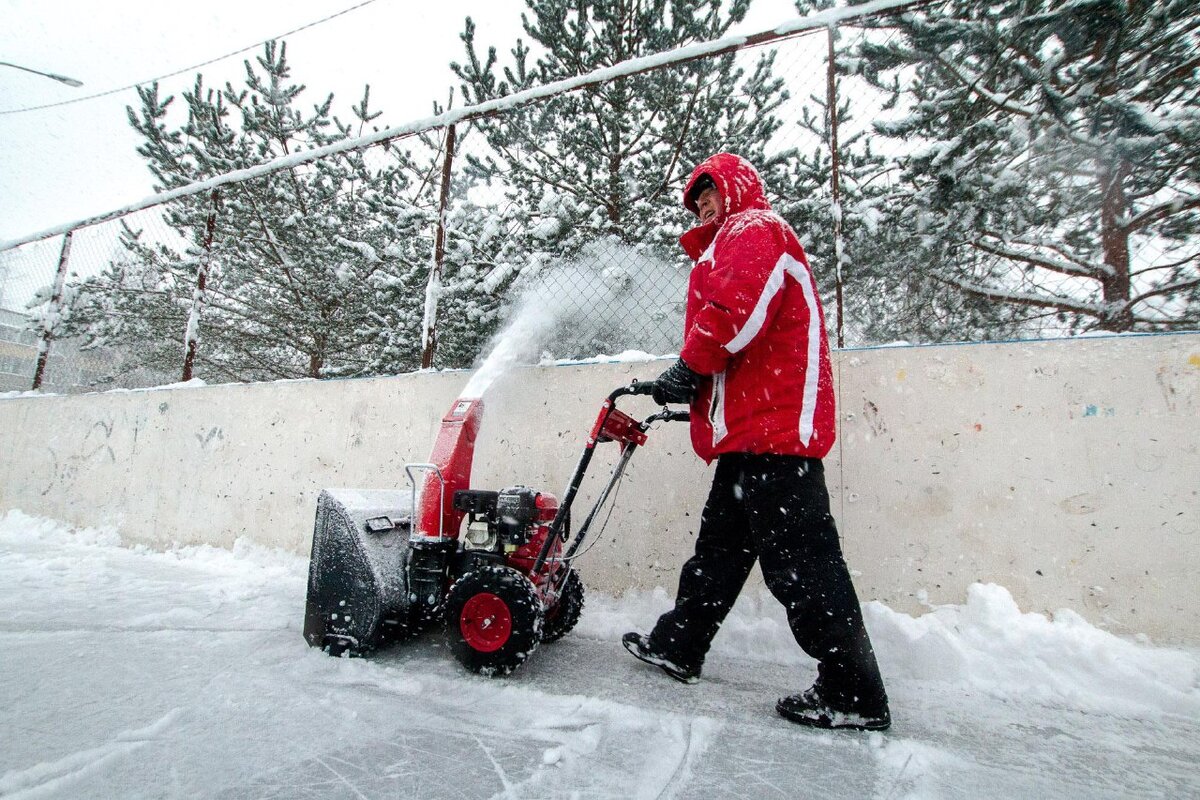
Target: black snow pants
x=775, y=509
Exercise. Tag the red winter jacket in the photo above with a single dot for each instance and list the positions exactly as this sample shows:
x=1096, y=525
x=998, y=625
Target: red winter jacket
x=754, y=323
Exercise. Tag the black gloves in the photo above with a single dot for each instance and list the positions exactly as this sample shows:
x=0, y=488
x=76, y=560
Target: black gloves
x=676, y=385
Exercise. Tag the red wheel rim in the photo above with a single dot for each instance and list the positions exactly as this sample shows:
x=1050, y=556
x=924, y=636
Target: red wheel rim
x=485, y=622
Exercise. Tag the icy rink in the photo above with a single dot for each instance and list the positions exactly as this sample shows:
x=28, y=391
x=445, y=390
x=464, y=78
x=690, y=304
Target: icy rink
x=132, y=674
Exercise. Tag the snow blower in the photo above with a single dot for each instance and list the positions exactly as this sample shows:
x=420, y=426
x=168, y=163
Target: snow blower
x=491, y=565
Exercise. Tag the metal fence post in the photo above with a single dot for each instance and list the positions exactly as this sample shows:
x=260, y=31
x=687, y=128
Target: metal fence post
x=192, y=334
x=53, y=312
x=835, y=182
x=433, y=289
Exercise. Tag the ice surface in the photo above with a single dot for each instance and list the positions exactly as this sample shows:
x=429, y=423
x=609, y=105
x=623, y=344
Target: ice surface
x=129, y=673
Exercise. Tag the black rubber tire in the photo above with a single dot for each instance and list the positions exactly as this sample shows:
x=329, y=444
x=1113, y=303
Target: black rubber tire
x=504, y=594
x=563, y=616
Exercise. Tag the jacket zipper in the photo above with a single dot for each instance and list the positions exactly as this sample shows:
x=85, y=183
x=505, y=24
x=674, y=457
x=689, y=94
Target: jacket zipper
x=716, y=411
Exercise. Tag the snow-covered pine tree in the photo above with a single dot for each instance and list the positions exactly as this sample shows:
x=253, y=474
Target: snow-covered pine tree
x=606, y=164
x=475, y=275
x=470, y=308
x=1052, y=156
x=132, y=308
x=809, y=206
x=888, y=294
x=302, y=260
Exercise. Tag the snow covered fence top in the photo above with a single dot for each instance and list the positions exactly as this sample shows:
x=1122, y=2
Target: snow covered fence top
x=631, y=66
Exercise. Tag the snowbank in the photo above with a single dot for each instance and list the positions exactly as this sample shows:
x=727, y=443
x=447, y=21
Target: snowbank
x=986, y=645
x=989, y=645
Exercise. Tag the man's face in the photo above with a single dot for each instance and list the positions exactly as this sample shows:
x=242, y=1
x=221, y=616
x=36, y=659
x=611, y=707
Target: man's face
x=708, y=204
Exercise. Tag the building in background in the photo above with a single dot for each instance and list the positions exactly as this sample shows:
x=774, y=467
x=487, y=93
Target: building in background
x=69, y=369
x=18, y=351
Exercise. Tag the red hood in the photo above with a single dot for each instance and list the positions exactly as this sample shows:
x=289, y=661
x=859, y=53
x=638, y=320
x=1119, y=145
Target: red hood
x=740, y=186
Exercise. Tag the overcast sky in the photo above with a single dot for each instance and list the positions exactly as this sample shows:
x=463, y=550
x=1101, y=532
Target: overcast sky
x=66, y=163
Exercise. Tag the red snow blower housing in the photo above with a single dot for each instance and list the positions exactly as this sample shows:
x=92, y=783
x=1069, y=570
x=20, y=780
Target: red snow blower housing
x=490, y=564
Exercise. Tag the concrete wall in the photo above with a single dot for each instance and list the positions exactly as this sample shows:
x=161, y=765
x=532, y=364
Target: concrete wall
x=1066, y=471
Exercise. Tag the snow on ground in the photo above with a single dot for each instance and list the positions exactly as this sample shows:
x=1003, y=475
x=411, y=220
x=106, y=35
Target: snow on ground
x=130, y=673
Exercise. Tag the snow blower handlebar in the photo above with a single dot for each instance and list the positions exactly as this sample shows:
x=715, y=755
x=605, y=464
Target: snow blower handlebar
x=647, y=387
x=612, y=425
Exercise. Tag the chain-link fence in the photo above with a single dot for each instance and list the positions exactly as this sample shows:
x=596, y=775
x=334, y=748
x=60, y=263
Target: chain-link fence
x=393, y=253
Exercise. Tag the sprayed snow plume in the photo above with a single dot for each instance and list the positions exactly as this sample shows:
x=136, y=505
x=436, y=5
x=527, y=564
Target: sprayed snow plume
x=609, y=299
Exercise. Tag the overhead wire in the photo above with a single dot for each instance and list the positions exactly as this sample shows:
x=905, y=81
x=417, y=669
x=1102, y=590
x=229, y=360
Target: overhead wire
x=5, y=112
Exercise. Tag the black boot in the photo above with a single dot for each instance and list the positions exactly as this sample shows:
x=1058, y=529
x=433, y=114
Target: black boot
x=808, y=708
x=641, y=648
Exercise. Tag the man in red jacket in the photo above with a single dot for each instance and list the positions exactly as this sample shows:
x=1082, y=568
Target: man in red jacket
x=755, y=367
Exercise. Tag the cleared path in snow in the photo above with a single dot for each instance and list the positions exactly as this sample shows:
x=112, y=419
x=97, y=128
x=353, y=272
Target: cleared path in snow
x=135, y=674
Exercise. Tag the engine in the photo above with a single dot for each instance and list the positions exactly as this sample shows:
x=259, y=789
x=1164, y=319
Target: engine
x=510, y=525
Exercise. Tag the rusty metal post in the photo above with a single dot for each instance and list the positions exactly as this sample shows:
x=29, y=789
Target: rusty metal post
x=839, y=247
x=192, y=334
x=52, y=313
x=434, y=287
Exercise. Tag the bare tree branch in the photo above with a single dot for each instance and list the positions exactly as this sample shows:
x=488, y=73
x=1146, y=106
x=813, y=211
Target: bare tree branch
x=1161, y=211
x=1054, y=265
x=1020, y=298
x=1161, y=290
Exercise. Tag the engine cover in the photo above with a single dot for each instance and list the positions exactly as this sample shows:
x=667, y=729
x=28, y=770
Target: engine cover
x=516, y=511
